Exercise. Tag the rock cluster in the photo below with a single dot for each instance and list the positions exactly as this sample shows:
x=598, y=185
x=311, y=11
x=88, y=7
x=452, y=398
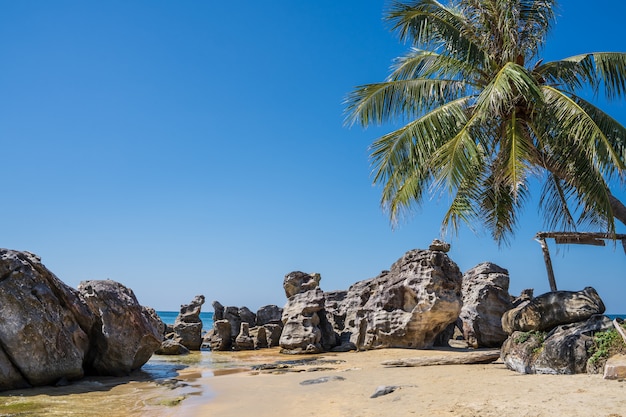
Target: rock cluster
x=51, y=333
x=415, y=304
x=553, y=333
x=186, y=332
x=239, y=328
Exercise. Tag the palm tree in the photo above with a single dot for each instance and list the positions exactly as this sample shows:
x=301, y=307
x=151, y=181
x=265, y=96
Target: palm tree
x=482, y=116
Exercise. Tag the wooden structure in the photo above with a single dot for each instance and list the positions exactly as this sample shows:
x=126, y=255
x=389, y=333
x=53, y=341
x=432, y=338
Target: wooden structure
x=580, y=238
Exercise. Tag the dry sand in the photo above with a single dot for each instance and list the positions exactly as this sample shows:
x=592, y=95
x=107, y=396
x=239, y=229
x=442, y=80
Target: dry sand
x=441, y=390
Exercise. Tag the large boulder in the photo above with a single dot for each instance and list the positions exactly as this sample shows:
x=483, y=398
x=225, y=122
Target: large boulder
x=552, y=309
x=485, y=300
x=306, y=328
x=124, y=337
x=269, y=314
x=564, y=350
x=405, y=307
x=98, y=329
x=304, y=320
x=219, y=338
x=44, y=324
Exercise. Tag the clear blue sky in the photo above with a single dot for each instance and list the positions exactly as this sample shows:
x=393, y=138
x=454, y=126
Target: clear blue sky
x=198, y=147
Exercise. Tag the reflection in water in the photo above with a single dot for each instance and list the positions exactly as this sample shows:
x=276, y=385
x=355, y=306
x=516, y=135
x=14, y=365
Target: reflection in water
x=165, y=386
x=157, y=389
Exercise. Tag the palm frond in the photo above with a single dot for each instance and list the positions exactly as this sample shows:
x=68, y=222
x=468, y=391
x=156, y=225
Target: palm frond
x=431, y=25
x=393, y=100
x=418, y=63
x=511, y=85
x=568, y=118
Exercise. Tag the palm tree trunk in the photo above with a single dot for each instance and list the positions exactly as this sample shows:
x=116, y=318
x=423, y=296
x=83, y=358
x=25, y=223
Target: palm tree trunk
x=619, y=210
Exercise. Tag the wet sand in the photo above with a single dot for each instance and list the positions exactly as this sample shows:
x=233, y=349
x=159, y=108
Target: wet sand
x=441, y=390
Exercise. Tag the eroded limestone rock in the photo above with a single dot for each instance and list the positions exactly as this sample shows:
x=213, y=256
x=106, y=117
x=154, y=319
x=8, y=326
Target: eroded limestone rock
x=485, y=300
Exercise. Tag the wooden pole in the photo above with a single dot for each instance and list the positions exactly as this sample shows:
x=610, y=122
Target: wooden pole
x=546, y=258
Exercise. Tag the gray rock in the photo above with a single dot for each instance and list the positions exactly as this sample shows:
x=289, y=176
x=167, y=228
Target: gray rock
x=269, y=314
x=218, y=311
x=231, y=314
x=220, y=340
x=322, y=380
x=272, y=334
x=304, y=320
x=188, y=324
x=259, y=336
x=564, y=350
x=37, y=306
x=243, y=340
x=298, y=282
x=485, y=300
x=247, y=316
x=125, y=338
x=439, y=245
x=553, y=309
x=383, y=390
x=172, y=347
x=405, y=307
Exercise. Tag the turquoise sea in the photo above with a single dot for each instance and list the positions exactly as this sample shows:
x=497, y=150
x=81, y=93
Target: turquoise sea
x=169, y=317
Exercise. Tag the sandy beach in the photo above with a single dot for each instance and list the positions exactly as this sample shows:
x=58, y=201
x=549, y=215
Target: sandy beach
x=441, y=390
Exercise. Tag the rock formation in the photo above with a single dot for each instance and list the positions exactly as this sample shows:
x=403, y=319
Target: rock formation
x=306, y=329
x=407, y=306
x=188, y=325
x=50, y=332
x=262, y=329
x=552, y=309
x=485, y=299
x=124, y=333
x=553, y=333
x=563, y=350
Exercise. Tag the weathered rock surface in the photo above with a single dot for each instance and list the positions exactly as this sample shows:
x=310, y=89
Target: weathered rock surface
x=37, y=306
x=243, y=341
x=171, y=347
x=304, y=317
x=269, y=314
x=188, y=324
x=220, y=336
x=564, y=350
x=102, y=330
x=405, y=307
x=485, y=300
x=124, y=334
x=552, y=309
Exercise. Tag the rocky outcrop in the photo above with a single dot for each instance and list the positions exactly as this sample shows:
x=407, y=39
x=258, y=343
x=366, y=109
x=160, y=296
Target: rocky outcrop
x=406, y=307
x=262, y=329
x=101, y=329
x=485, y=300
x=269, y=314
x=563, y=350
x=37, y=306
x=552, y=309
x=188, y=324
x=243, y=341
x=305, y=327
x=124, y=334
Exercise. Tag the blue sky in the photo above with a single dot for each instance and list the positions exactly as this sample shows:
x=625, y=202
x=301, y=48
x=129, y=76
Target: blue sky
x=199, y=147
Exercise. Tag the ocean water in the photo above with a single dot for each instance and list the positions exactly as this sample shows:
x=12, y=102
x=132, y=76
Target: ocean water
x=169, y=317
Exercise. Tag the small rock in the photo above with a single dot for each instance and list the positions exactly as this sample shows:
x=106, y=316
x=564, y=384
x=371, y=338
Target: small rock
x=322, y=380
x=383, y=390
x=615, y=367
